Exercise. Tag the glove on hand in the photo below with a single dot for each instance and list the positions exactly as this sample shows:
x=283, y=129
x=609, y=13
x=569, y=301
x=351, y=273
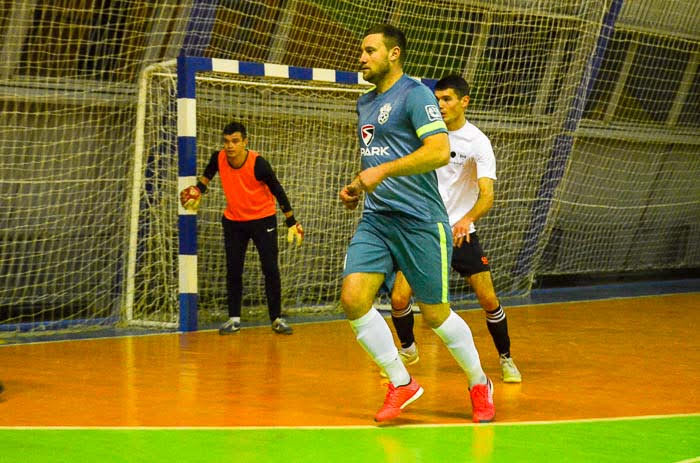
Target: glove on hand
x=295, y=233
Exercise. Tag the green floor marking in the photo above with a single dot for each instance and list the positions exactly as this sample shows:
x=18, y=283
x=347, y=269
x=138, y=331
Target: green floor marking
x=638, y=440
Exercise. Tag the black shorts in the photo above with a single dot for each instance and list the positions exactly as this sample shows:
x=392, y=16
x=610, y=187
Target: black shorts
x=469, y=258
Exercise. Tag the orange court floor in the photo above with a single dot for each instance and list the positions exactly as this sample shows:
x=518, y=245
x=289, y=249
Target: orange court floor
x=593, y=359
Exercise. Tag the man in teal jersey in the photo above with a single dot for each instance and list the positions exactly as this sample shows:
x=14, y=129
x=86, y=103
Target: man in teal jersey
x=404, y=224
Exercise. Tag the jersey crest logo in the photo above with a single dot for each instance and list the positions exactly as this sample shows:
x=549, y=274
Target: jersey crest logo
x=433, y=112
x=384, y=113
x=367, y=132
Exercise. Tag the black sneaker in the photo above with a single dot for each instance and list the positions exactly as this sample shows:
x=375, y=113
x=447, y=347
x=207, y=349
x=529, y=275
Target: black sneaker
x=280, y=326
x=230, y=327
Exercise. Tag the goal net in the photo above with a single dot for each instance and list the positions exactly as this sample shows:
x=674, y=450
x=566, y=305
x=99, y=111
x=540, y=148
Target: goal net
x=592, y=108
x=305, y=129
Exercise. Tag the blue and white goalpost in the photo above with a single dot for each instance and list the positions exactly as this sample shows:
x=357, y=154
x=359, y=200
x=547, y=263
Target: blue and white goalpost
x=188, y=70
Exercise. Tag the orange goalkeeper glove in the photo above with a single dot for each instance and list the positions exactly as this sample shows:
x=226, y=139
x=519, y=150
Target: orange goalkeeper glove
x=190, y=198
x=295, y=233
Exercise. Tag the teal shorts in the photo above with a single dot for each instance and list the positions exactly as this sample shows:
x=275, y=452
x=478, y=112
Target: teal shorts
x=384, y=243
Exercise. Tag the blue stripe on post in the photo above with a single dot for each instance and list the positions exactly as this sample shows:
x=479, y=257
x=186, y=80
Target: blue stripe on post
x=188, y=311
x=344, y=77
x=187, y=226
x=300, y=73
x=251, y=69
x=187, y=67
x=187, y=156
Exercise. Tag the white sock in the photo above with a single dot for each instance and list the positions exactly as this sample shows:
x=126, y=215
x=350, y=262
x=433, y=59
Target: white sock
x=375, y=337
x=235, y=319
x=457, y=336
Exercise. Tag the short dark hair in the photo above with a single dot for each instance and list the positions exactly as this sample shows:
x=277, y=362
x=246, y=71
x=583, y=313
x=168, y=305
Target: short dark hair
x=393, y=37
x=456, y=83
x=235, y=127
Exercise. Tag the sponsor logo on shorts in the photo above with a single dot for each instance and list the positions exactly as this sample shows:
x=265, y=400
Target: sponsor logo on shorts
x=484, y=260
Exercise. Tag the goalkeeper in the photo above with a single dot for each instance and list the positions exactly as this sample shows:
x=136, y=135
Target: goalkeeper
x=250, y=186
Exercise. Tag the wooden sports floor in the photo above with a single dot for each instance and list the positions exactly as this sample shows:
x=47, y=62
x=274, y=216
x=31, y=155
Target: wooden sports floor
x=607, y=380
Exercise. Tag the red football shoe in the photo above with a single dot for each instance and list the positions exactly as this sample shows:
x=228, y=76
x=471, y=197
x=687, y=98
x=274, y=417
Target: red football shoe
x=397, y=398
x=483, y=410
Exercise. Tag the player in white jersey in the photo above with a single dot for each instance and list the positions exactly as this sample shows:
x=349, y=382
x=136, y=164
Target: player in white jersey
x=404, y=224
x=466, y=187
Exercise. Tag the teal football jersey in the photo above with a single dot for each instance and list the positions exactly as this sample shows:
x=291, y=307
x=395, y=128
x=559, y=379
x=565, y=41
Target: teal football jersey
x=392, y=125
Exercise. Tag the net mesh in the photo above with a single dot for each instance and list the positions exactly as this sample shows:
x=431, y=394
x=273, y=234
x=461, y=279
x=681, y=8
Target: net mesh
x=300, y=128
x=596, y=141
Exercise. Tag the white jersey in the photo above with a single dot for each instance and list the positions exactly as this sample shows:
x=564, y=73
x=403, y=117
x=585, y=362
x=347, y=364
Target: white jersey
x=471, y=158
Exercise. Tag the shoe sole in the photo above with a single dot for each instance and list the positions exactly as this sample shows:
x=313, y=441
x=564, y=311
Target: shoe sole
x=511, y=379
x=413, y=398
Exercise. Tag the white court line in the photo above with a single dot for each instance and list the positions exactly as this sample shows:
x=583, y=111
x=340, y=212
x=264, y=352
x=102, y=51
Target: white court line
x=271, y=428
